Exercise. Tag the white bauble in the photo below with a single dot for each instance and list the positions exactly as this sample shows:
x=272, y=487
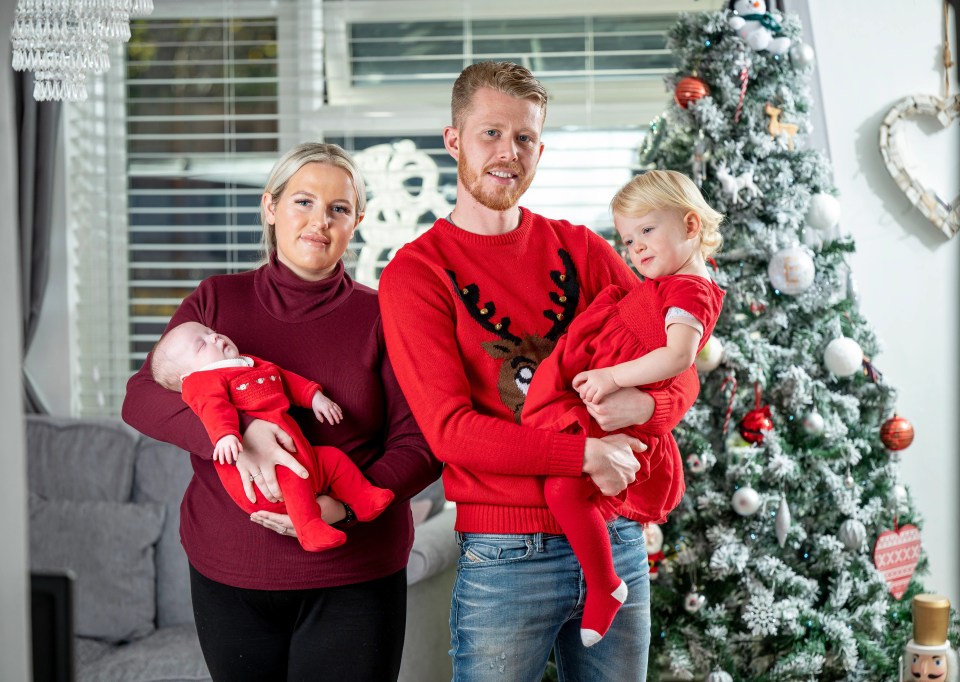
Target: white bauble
x=823, y=213
x=696, y=464
x=813, y=423
x=652, y=538
x=843, y=356
x=791, y=271
x=693, y=602
x=852, y=534
x=711, y=356
x=802, y=54
x=746, y=501
x=718, y=676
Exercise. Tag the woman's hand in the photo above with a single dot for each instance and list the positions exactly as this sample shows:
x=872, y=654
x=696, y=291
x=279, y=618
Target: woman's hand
x=265, y=447
x=331, y=511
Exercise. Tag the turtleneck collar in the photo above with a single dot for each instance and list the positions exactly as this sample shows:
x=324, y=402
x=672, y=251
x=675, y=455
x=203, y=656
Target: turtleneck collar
x=289, y=298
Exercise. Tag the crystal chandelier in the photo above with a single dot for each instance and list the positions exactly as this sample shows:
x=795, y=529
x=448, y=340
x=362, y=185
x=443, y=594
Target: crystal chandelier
x=62, y=41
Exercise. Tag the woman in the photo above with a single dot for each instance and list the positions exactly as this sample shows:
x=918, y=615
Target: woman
x=265, y=609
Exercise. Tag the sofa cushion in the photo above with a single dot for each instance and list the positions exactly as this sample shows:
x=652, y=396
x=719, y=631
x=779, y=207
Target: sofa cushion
x=80, y=460
x=168, y=655
x=162, y=474
x=435, y=547
x=428, y=502
x=109, y=546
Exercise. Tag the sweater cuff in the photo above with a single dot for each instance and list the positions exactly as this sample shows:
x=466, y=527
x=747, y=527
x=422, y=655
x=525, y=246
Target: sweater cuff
x=663, y=413
x=566, y=457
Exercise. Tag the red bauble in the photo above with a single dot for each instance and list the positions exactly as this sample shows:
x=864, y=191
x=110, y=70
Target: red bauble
x=690, y=89
x=754, y=423
x=896, y=433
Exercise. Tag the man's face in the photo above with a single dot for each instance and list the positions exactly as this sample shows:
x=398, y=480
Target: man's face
x=928, y=666
x=497, y=148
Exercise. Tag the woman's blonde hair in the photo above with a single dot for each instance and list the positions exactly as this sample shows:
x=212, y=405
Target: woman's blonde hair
x=504, y=77
x=287, y=167
x=655, y=190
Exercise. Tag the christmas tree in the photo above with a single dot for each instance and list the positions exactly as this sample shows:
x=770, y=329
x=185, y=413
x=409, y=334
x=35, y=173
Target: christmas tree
x=794, y=551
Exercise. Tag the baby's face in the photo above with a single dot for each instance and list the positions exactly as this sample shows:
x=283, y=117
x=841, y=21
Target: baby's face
x=193, y=346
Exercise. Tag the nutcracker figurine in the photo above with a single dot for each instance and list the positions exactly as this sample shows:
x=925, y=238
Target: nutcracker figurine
x=929, y=656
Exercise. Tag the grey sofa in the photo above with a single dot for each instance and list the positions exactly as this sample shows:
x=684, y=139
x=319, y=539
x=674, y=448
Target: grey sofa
x=105, y=503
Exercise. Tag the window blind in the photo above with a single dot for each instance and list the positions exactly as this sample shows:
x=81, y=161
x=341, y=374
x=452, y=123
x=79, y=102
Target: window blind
x=183, y=131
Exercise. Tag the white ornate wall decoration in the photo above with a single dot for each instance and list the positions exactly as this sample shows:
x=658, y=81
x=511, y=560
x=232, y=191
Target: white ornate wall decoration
x=403, y=200
x=944, y=213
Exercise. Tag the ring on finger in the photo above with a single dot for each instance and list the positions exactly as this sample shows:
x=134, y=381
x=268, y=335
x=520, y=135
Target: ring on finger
x=254, y=476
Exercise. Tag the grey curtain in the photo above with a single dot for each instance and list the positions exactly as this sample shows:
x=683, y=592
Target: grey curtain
x=37, y=132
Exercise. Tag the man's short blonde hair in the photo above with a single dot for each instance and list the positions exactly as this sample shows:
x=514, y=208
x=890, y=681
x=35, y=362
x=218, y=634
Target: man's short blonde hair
x=655, y=190
x=504, y=77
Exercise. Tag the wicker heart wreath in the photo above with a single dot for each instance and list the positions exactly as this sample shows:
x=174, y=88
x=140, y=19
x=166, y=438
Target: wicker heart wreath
x=944, y=213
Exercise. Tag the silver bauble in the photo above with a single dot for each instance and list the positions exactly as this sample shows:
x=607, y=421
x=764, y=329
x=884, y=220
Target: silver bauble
x=897, y=498
x=802, y=54
x=852, y=534
x=813, y=423
x=782, y=524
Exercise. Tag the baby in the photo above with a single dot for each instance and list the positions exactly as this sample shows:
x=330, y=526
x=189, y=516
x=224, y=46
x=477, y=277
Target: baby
x=641, y=337
x=217, y=382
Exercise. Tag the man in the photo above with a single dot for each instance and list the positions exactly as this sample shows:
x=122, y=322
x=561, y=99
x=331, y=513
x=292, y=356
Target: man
x=469, y=309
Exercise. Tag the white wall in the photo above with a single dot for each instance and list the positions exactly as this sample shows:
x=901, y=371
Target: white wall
x=870, y=54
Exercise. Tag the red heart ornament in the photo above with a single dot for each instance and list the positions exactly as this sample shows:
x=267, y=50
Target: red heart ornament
x=896, y=555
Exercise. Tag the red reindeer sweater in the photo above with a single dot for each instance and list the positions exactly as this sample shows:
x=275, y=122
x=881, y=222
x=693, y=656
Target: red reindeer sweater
x=467, y=319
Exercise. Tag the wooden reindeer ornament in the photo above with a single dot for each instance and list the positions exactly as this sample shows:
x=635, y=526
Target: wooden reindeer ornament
x=776, y=127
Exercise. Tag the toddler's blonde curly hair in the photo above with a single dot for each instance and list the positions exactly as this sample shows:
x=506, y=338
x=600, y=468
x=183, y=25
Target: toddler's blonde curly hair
x=655, y=190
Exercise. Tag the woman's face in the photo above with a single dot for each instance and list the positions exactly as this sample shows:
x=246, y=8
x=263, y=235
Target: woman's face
x=314, y=219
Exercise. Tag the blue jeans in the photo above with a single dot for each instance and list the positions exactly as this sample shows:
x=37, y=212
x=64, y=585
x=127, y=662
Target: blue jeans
x=518, y=596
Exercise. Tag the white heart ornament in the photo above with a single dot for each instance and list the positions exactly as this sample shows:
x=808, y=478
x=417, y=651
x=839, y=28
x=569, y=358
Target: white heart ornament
x=944, y=213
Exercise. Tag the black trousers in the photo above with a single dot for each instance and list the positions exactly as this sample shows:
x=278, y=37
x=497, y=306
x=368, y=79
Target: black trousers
x=352, y=633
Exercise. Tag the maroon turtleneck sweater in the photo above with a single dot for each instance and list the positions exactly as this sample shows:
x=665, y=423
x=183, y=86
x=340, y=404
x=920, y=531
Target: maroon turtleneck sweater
x=329, y=332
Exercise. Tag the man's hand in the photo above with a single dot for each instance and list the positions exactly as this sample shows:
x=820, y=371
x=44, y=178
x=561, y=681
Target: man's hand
x=595, y=384
x=625, y=407
x=611, y=463
x=265, y=447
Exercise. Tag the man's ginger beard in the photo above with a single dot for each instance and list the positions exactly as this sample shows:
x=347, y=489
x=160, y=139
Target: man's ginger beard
x=496, y=199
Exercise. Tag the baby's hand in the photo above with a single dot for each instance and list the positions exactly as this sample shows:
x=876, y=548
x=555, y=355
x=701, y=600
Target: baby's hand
x=594, y=384
x=324, y=407
x=227, y=449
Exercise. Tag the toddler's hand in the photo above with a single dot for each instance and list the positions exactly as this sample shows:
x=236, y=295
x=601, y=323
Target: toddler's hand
x=323, y=407
x=227, y=449
x=594, y=384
